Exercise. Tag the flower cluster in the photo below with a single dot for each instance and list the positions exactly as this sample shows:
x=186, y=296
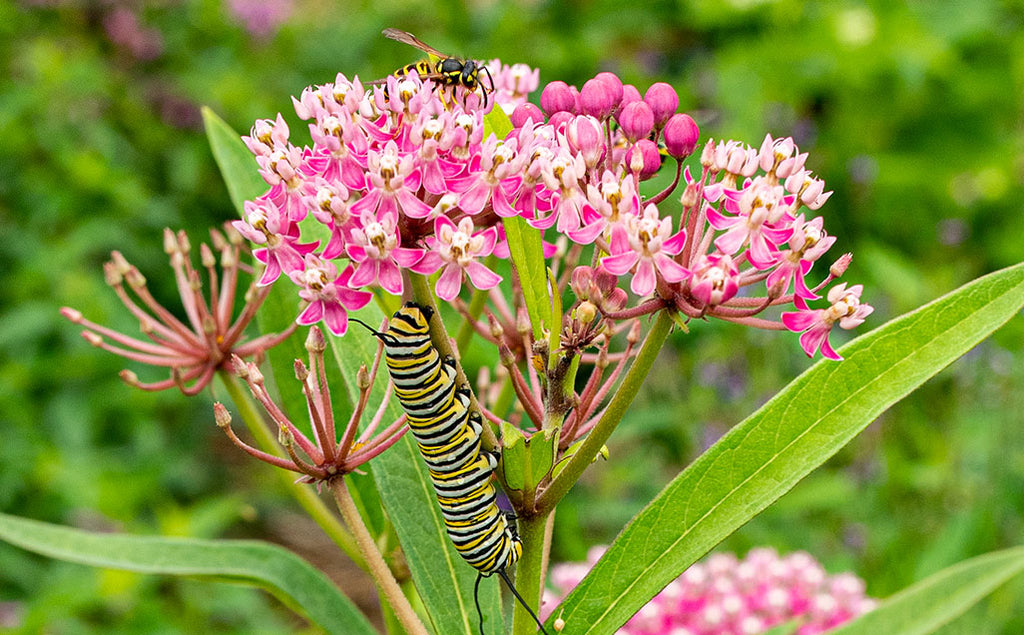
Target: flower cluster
x=723, y=594
x=407, y=177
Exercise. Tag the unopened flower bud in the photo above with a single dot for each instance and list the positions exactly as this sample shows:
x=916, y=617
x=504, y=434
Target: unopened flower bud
x=634, y=333
x=285, y=437
x=123, y=266
x=707, y=155
x=526, y=112
x=238, y=365
x=255, y=376
x=629, y=95
x=839, y=267
x=170, y=242
x=221, y=415
x=497, y=332
x=690, y=197
x=557, y=97
x=206, y=256
x=598, y=98
x=129, y=378
x=217, y=240
x=506, y=355
x=558, y=625
x=636, y=120
x=315, y=341
x=586, y=312
x=648, y=151
x=663, y=100
x=111, y=275
x=614, y=84
x=301, y=372
x=92, y=338
x=363, y=378
x=134, y=278
x=580, y=280
x=560, y=118
x=71, y=314
x=681, y=135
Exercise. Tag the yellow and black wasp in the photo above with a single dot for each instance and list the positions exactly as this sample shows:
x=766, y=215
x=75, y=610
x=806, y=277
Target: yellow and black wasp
x=442, y=69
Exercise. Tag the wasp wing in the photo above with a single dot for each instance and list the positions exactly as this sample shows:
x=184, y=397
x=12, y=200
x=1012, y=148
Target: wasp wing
x=408, y=38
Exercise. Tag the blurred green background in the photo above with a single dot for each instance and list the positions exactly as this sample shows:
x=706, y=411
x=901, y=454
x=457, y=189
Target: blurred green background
x=912, y=112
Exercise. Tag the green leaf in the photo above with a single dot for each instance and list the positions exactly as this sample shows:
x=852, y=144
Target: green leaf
x=768, y=453
x=527, y=253
x=927, y=605
x=513, y=456
x=497, y=123
x=442, y=578
x=275, y=569
x=236, y=163
x=541, y=455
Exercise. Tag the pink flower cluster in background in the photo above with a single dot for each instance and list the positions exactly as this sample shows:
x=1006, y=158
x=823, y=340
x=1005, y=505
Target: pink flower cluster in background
x=405, y=177
x=723, y=595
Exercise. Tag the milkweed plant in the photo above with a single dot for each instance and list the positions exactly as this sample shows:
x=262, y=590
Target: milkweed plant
x=558, y=235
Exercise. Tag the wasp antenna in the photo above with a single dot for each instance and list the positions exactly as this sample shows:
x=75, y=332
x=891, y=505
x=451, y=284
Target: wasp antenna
x=512, y=588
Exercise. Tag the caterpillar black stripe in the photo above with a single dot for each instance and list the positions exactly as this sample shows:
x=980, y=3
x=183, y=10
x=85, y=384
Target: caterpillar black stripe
x=448, y=434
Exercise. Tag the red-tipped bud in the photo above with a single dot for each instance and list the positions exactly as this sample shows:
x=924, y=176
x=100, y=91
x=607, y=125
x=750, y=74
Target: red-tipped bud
x=71, y=314
x=206, y=256
x=636, y=120
x=681, y=135
x=238, y=365
x=92, y=338
x=598, y=98
x=663, y=100
x=315, y=341
x=557, y=97
x=526, y=112
x=129, y=378
x=301, y=372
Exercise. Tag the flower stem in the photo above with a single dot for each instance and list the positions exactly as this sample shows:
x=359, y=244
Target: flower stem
x=305, y=496
x=529, y=571
x=387, y=586
x=613, y=414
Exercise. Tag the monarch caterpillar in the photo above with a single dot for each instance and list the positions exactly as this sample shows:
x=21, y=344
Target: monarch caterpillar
x=448, y=434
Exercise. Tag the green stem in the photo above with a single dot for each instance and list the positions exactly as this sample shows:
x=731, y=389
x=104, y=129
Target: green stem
x=387, y=586
x=304, y=495
x=466, y=331
x=612, y=415
x=529, y=572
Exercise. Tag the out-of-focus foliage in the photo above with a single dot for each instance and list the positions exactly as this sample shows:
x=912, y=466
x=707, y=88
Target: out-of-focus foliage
x=911, y=112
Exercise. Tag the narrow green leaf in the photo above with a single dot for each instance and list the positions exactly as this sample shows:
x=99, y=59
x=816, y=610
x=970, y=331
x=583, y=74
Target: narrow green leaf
x=927, y=605
x=444, y=580
x=236, y=163
x=527, y=252
x=284, y=574
x=765, y=455
x=513, y=456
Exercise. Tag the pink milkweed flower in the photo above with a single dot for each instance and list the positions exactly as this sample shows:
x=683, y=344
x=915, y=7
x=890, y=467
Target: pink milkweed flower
x=330, y=205
x=615, y=199
x=266, y=224
x=816, y=324
x=512, y=84
x=569, y=207
x=329, y=296
x=267, y=135
x=391, y=181
x=761, y=222
x=807, y=189
x=495, y=179
x=715, y=279
x=456, y=248
x=646, y=243
x=808, y=243
x=343, y=146
x=375, y=245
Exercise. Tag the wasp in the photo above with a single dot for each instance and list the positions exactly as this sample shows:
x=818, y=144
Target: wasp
x=442, y=69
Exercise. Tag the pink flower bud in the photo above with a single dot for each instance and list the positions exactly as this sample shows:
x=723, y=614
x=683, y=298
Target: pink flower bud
x=560, y=118
x=636, y=120
x=614, y=84
x=585, y=136
x=681, y=135
x=663, y=101
x=599, y=97
x=557, y=97
x=525, y=112
x=629, y=95
x=646, y=151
